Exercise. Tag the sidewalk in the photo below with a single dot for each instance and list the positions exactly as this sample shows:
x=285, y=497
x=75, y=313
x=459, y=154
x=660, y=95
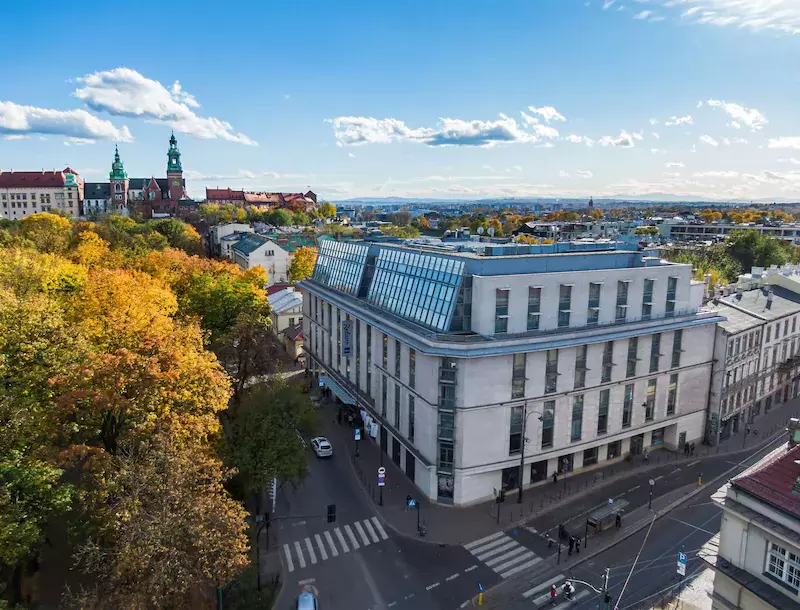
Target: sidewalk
x=451, y=525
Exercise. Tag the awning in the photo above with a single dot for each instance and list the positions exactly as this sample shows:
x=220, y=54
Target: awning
x=337, y=389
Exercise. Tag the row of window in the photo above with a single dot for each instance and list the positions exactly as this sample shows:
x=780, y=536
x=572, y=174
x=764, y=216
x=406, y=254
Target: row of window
x=551, y=374
x=744, y=343
x=777, y=329
x=518, y=414
x=502, y=296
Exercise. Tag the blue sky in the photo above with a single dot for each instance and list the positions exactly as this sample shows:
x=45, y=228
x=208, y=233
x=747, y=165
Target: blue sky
x=435, y=98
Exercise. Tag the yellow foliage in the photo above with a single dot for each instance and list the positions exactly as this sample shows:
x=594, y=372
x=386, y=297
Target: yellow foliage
x=48, y=232
x=302, y=265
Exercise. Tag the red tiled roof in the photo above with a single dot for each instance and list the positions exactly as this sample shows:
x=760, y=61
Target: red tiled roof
x=44, y=178
x=224, y=195
x=773, y=482
x=277, y=287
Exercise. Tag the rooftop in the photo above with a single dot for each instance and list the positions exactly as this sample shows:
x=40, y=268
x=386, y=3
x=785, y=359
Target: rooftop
x=757, y=302
x=295, y=333
x=736, y=321
x=43, y=178
x=250, y=243
x=285, y=300
x=774, y=481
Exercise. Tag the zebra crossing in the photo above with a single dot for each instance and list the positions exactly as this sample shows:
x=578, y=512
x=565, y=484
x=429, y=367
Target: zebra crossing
x=332, y=543
x=542, y=593
x=503, y=554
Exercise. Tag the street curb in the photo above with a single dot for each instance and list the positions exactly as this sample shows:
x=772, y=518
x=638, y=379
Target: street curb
x=642, y=523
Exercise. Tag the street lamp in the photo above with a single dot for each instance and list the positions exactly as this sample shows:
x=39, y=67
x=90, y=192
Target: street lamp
x=652, y=485
x=525, y=414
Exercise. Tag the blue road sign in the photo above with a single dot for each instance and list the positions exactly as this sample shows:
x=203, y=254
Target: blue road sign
x=412, y=503
x=682, y=564
x=357, y=434
x=480, y=587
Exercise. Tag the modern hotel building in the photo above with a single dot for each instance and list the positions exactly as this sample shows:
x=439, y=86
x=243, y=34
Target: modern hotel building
x=474, y=359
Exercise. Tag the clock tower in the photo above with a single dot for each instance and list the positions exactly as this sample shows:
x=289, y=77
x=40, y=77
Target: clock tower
x=174, y=171
x=119, y=184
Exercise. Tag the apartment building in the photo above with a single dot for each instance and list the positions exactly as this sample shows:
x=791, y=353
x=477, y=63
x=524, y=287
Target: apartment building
x=682, y=230
x=26, y=193
x=756, y=555
x=215, y=238
x=254, y=250
x=482, y=363
x=287, y=310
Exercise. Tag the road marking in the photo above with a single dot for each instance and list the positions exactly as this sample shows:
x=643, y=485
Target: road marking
x=693, y=463
x=306, y=581
x=329, y=538
x=379, y=527
x=489, y=545
x=288, y=554
x=465, y=604
x=312, y=555
x=433, y=586
x=350, y=535
x=470, y=568
x=296, y=523
x=475, y=543
x=543, y=586
x=452, y=577
x=658, y=478
x=409, y=596
x=390, y=604
x=634, y=488
x=676, y=470
x=361, y=533
x=694, y=526
x=502, y=559
x=521, y=567
x=522, y=557
x=301, y=560
x=338, y=533
x=322, y=551
x=371, y=531
x=576, y=598
x=499, y=549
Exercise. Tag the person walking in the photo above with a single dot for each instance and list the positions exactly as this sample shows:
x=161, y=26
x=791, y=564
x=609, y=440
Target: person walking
x=571, y=544
x=691, y=449
x=555, y=477
x=619, y=521
x=553, y=593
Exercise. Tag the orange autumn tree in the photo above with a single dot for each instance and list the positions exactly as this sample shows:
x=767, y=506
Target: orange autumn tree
x=302, y=265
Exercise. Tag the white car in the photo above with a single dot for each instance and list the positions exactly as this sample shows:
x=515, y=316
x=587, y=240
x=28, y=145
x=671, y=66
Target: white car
x=321, y=447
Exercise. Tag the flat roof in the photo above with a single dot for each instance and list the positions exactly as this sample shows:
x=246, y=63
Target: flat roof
x=784, y=303
x=737, y=321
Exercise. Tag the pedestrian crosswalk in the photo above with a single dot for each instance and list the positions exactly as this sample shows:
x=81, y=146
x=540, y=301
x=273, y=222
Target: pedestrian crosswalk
x=541, y=594
x=331, y=543
x=503, y=554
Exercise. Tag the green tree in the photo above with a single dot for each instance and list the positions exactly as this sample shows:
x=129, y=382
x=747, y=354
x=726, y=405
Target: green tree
x=754, y=249
x=646, y=231
x=327, y=210
x=301, y=219
x=280, y=217
x=179, y=235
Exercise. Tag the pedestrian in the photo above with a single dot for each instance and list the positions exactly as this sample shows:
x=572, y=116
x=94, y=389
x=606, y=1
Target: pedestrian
x=553, y=593
x=619, y=521
x=571, y=544
x=578, y=546
x=408, y=501
x=567, y=591
x=686, y=447
x=646, y=456
x=691, y=449
x=555, y=477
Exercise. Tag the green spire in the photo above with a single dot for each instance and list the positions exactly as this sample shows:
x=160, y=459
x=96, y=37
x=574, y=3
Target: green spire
x=117, y=168
x=173, y=155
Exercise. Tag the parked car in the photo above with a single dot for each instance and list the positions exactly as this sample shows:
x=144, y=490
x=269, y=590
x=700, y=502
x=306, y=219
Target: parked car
x=307, y=601
x=321, y=446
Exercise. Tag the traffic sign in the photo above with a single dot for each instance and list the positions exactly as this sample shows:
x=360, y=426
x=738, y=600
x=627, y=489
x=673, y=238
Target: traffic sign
x=381, y=470
x=381, y=477
x=682, y=564
x=412, y=503
x=357, y=434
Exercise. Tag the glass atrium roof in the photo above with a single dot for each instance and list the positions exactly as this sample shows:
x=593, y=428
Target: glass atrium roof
x=340, y=265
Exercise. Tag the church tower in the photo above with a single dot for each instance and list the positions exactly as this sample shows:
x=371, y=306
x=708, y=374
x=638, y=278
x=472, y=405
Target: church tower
x=119, y=184
x=174, y=171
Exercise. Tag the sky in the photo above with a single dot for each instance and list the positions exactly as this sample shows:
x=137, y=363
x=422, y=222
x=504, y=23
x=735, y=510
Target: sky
x=423, y=98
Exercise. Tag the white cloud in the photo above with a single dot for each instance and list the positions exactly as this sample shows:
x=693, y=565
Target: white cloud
x=679, y=120
x=517, y=167
x=750, y=117
x=758, y=15
x=791, y=160
x=716, y=174
x=643, y=14
x=563, y=174
x=785, y=142
x=545, y=145
x=242, y=175
x=672, y=174
x=584, y=173
x=709, y=140
x=674, y=164
x=351, y=155
x=125, y=92
x=542, y=131
x=654, y=121
x=576, y=139
x=623, y=140
x=655, y=151
x=17, y=120
x=16, y=137
x=735, y=125
x=656, y=135
x=608, y=4
x=700, y=104
x=548, y=113
x=730, y=141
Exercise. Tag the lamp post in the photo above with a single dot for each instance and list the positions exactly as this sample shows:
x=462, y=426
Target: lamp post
x=525, y=414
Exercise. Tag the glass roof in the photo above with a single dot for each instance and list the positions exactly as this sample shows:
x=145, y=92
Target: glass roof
x=340, y=265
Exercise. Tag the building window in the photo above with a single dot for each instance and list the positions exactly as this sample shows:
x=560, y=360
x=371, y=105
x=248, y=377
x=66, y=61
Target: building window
x=794, y=324
x=590, y=456
x=647, y=299
x=384, y=390
x=338, y=339
x=412, y=368
x=602, y=412
x=622, y=301
x=515, y=431
x=783, y=565
x=410, y=418
x=501, y=311
x=534, y=307
x=577, y=418
x=369, y=357
x=785, y=327
x=672, y=397
x=672, y=287
x=397, y=349
x=564, y=305
x=608, y=355
x=614, y=450
x=385, y=353
x=551, y=371
x=580, y=366
x=655, y=349
x=768, y=335
x=633, y=349
x=677, y=342
x=397, y=406
x=447, y=422
x=627, y=406
x=548, y=423
x=650, y=401
x=593, y=314
x=518, y=376
x=446, y=457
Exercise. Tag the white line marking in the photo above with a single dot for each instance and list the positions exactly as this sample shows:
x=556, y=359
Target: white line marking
x=511, y=562
x=475, y=543
x=361, y=533
x=543, y=586
x=390, y=604
x=352, y=538
x=306, y=581
x=329, y=538
x=379, y=527
x=506, y=556
x=288, y=554
x=338, y=533
x=433, y=586
x=465, y=604
x=658, y=478
x=489, y=545
x=322, y=552
x=499, y=549
x=634, y=488
x=296, y=523
x=452, y=577
x=300, y=559
x=371, y=531
x=694, y=526
x=519, y=568
x=693, y=463
x=676, y=470
x=470, y=568
x=565, y=604
x=312, y=555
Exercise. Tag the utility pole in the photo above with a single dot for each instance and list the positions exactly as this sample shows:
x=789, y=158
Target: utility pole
x=605, y=598
x=522, y=453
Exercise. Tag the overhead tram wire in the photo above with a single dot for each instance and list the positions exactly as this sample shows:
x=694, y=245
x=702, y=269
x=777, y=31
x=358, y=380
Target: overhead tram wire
x=633, y=567
x=684, y=580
